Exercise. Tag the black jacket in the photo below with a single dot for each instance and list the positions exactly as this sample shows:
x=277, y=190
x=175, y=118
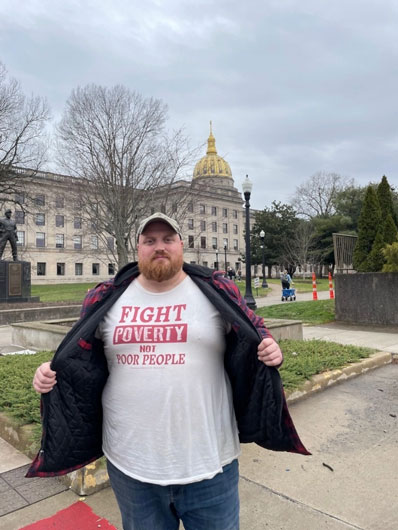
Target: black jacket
x=72, y=411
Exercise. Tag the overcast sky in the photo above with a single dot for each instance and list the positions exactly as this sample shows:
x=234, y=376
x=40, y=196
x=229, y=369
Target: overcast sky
x=292, y=87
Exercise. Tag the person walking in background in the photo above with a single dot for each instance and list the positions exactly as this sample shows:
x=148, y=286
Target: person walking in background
x=166, y=372
x=286, y=280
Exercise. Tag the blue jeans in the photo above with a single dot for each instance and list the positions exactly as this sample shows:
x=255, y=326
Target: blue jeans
x=211, y=504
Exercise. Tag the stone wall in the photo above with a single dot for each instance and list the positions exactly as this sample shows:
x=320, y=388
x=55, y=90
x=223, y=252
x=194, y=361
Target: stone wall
x=367, y=298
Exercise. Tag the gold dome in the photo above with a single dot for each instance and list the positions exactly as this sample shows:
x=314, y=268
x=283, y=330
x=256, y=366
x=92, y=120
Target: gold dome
x=212, y=165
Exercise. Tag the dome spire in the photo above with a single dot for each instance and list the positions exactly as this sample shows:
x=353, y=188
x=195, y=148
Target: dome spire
x=211, y=143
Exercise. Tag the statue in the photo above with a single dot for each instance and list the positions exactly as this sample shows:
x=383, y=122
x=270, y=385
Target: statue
x=8, y=232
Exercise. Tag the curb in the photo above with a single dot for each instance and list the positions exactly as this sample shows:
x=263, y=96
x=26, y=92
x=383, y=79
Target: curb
x=94, y=477
x=325, y=379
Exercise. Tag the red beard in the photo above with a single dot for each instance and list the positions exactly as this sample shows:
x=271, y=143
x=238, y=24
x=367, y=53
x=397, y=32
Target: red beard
x=160, y=270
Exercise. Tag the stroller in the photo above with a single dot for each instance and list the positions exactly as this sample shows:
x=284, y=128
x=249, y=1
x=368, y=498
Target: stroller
x=288, y=294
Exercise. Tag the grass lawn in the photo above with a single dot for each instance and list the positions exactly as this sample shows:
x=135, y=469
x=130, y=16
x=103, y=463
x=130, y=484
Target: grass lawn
x=62, y=292
x=305, y=358
x=313, y=312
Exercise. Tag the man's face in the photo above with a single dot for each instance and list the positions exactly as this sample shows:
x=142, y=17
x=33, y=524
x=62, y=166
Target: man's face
x=160, y=254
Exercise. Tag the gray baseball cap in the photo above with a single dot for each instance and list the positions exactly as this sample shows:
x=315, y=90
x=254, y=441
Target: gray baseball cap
x=159, y=217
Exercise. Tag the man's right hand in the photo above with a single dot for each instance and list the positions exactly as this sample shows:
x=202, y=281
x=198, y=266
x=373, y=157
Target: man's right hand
x=44, y=379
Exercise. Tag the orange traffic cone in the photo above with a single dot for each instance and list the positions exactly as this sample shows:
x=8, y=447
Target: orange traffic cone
x=331, y=291
x=314, y=291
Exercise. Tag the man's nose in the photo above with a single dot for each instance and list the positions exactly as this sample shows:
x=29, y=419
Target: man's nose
x=159, y=245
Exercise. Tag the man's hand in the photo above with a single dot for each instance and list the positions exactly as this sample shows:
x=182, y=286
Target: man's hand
x=269, y=352
x=44, y=379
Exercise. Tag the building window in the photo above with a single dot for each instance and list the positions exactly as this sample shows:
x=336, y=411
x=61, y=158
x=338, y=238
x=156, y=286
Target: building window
x=225, y=243
x=235, y=214
x=59, y=202
x=110, y=243
x=77, y=222
x=60, y=269
x=94, y=242
x=190, y=224
x=40, y=200
x=19, y=217
x=174, y=207
x=94, y=225
x=77, y=242
x=59, y=221
x=205, y=264
x=202, y=226
x=19, y=198
x=202, y=242
x=214, y=226
x=40, y=239
x=236, y=244
x=163, y=209
x=78, y=269
x=21, y=238
x=225, y=212
x=111, y=269
x=78, y=205
x=225, y=228
x=214, y=242
x=202, y=208
x=59, y=240
x=235, y=229
x=190, y=242
x=190, y=207
x=214, y=210
x=95, y=269
x=40, y=219
x=41, y=269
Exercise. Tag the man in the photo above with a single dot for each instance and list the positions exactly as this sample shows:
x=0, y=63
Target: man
x=8, y=232
x=191, y=372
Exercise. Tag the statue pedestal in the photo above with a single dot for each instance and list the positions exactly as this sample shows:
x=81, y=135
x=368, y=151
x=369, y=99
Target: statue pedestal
x=15, y=282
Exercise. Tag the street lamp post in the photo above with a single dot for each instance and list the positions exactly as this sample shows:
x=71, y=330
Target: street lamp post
x=247, y=188
x=225, y=260
x=262, y=236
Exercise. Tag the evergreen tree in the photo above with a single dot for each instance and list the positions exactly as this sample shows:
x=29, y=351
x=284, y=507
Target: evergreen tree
x=390, y=231
x=375, y=261
x=368, y=224
x=391, y=255
x=385, y=200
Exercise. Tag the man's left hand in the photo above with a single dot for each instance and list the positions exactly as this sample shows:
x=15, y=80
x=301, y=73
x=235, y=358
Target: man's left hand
x=269, y=352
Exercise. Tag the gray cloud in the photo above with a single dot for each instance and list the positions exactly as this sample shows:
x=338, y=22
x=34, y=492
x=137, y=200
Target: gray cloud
x=292, y=87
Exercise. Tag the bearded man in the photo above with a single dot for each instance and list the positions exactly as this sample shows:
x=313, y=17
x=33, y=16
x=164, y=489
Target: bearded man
x=166, y=372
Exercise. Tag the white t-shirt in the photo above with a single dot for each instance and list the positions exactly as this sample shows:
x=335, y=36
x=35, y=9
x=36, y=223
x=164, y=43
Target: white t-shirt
x=168, y=412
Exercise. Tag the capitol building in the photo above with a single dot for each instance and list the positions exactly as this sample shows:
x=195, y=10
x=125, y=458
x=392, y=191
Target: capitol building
x=58, y=241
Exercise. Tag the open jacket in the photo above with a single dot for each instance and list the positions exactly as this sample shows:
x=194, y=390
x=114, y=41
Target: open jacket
x=72, y=411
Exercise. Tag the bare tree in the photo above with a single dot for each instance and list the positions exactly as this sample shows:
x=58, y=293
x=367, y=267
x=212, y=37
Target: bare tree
x=115, y=141
x=297, y=250
x=22, y=134
x=316, y=196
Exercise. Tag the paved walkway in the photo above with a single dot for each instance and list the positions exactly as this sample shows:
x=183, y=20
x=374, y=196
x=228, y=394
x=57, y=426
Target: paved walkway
x=349, y=482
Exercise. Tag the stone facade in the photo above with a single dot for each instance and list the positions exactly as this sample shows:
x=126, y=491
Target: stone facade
x=62, y=245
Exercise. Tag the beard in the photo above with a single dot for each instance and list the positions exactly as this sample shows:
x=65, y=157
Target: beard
x=160, y=270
